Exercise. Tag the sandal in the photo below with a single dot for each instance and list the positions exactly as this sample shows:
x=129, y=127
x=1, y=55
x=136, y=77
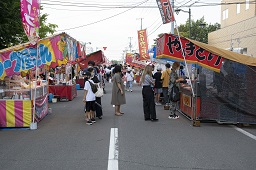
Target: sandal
x=118, y=114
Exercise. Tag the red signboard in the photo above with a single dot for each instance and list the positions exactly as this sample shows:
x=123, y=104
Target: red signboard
x=169, y=46
x=143, y=45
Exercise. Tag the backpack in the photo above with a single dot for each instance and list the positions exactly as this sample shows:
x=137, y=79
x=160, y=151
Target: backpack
x=93, y=86
x=175, y=94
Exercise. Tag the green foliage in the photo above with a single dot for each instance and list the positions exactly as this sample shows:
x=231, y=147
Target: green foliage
x=11, y=30
x=199, y=30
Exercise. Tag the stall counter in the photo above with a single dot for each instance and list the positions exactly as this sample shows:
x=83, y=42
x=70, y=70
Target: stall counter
x=63, y=91
x=186, y=102
x=18, y=112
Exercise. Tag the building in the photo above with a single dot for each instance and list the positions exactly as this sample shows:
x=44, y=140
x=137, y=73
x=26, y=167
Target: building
x=238, y=27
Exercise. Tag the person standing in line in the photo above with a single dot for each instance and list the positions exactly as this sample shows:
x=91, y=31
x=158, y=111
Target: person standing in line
x=147, y=83
x=96, y=80
x=89, y=100
x=129, y=79
x=174, y=79
x=118, y=91
x=166, y=78
x=158, y=85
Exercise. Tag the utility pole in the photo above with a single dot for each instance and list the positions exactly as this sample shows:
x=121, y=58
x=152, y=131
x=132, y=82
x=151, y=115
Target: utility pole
x=130, y=44
x=140, y=22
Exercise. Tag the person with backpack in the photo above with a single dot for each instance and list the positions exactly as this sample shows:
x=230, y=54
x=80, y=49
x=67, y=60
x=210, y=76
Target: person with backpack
x=95, y=79
x=89, y=100
x=174, y=81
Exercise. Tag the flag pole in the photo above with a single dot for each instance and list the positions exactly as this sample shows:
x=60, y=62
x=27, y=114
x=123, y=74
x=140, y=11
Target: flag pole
x=33, y=125
x=184, y=58
x=194, y=97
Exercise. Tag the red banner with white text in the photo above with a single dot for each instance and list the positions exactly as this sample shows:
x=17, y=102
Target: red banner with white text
x=143, y=44
x=165, y=9
x=169, y=46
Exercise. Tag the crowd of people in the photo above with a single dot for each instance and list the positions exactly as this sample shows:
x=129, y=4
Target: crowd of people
x=156, y=88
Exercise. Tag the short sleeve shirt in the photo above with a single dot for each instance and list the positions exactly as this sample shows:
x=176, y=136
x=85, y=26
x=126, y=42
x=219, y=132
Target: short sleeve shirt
x=90, y=95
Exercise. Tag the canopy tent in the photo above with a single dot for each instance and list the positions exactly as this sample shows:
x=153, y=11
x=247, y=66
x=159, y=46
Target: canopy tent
x=53, y=51
x=98, y=57
x=169, y=47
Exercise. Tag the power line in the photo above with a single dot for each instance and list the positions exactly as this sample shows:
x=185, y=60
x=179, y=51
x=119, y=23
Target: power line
x=195, y=4
x=103, y=19
x=155, y=29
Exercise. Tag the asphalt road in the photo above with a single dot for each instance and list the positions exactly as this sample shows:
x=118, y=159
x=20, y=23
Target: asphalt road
x=63, y=141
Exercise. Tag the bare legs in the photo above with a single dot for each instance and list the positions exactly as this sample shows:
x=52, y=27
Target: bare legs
x=117, y=110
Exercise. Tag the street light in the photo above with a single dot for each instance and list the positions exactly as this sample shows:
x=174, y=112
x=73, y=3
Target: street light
x=189, y=19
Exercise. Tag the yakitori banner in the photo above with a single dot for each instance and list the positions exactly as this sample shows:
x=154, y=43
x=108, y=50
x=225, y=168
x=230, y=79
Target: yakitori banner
x=30, y=19
x=54, y=51
x=169, y=46
x=143, y=44
x=165, y=9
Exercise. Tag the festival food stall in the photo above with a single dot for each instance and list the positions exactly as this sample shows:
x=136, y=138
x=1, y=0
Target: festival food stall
x=221, y=84
x=18, y=92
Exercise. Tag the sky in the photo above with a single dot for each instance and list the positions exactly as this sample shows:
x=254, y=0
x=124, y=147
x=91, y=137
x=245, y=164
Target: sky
x=103, y=23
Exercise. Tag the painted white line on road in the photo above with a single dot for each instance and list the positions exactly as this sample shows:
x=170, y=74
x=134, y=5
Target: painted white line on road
x=245, y=133
x=113, y=150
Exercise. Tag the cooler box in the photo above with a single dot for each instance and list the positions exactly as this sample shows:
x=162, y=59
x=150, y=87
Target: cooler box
x=78, y=86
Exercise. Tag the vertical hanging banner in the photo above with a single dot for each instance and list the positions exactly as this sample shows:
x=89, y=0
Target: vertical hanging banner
x=30, y=19
x=143, y=45
x=166, y=12
x=129, y=58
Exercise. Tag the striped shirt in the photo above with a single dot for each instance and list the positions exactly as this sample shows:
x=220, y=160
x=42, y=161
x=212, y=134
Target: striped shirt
x=148, y=81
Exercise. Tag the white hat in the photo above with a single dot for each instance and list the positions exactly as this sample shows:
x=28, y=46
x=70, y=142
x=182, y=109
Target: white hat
x=159, y=68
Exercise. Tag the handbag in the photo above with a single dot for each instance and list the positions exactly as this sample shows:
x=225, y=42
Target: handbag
x=175, y=93
x=100, y=91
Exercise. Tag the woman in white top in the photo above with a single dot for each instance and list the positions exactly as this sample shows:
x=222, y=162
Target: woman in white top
x=129, y=79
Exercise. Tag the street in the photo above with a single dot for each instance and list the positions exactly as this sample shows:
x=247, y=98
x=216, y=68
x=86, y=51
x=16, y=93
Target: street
x=64, y=141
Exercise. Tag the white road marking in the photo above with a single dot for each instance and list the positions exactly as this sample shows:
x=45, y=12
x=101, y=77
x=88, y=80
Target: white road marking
x=113, y=150
x=245, y=133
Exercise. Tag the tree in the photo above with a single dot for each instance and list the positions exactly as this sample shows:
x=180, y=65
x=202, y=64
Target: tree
x=199, y=30
x=11, y=30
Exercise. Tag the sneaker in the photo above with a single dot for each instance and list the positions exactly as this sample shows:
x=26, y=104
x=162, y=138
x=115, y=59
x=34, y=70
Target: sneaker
x=154, y=120
x=89, y=122
x=177, y=117
x=173, y=117
x=93, y=120
x=131, y=90
x=158, y=104
x=100, y=117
